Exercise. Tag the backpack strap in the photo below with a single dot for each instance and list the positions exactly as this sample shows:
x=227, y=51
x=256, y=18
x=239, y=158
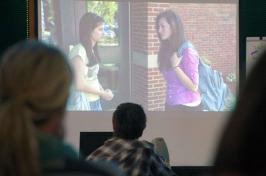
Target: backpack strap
x=184, y=46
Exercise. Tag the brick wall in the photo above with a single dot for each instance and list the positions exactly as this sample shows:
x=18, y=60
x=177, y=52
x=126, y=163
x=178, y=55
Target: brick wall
x=139, y=39
x=148, y=87
x=210, y=27
x=156, y=90
x=139, y=85
x=139, y=28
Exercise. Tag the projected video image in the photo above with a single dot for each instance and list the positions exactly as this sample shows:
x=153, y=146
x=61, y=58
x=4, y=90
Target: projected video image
x=165, y=56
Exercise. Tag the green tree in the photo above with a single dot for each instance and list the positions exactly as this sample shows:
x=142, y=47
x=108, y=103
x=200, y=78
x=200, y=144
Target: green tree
x=107, y=10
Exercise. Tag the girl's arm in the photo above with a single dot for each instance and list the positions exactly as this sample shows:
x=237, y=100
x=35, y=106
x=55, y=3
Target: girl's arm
x=108, y=93
x=185, y=80
x=80, y=82
x=82, y=85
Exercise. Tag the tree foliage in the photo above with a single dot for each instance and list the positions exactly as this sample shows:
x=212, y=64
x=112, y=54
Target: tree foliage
x=106, y=9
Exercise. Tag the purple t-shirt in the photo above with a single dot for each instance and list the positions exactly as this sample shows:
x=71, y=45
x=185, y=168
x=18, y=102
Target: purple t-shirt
x=177, y=93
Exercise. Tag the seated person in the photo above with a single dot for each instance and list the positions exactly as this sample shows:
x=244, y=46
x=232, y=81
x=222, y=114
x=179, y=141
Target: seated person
x=34, y=86
x=242, y=149
x=133, y=156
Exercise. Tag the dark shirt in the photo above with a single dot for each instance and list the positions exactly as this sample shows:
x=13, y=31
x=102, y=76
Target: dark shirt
x=53, y=150
x=59, y=158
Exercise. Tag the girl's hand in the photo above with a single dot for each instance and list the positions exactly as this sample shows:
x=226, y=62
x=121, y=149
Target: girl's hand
x=107, y=95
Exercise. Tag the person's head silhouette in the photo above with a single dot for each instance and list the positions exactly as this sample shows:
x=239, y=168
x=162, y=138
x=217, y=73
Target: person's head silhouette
x=34, y=86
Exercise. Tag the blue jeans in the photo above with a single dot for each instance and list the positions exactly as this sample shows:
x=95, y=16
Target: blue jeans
x=78, y=101
x=96, y=105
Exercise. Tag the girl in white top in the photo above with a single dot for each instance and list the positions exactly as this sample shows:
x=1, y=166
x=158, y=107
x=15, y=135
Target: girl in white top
x=85, y=60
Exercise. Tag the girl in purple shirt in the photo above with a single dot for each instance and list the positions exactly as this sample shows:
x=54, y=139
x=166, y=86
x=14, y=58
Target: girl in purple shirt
x=178, y=62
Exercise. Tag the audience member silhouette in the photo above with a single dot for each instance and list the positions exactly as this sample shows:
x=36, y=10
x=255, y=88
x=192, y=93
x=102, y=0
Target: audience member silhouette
x=242, y=150
x=135, y=157
x=34, y=86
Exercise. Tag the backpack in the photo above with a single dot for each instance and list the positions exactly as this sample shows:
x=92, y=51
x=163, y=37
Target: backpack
x=215, y=94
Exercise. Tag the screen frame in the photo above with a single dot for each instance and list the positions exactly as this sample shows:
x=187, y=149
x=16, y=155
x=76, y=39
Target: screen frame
x=74, y=130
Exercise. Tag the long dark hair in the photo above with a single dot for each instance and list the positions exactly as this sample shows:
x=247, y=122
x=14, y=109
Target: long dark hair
x=88, y=22
x=177, y=38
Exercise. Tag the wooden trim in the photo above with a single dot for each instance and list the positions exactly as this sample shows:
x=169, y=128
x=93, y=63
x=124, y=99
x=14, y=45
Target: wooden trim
x=31, y=19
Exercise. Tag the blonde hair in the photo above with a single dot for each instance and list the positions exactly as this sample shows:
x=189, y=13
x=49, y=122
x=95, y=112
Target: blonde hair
x=34, y=82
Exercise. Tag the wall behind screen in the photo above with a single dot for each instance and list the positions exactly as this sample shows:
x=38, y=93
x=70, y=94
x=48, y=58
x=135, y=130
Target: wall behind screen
x=13, y=15
x=196, y=135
